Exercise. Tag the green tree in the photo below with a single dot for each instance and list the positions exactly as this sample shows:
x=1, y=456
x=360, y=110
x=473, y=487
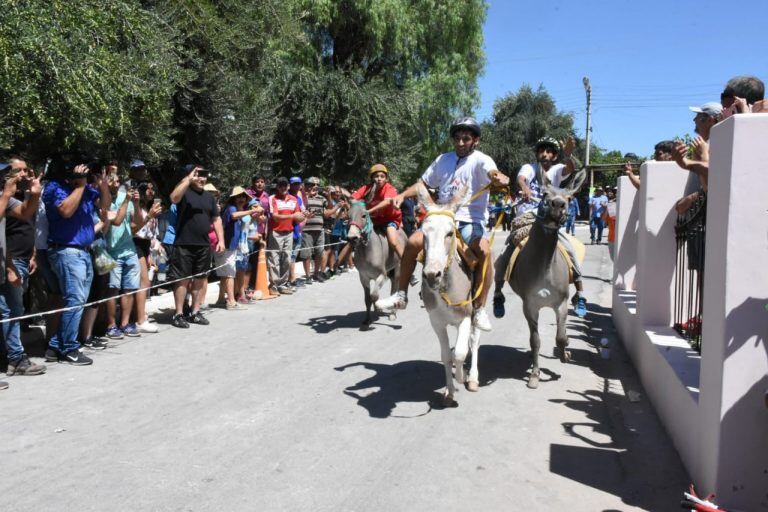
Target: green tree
x=96, y=76
x=519, y=120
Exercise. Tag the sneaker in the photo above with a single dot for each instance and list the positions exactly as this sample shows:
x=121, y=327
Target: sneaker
x=284, y=290
x=320, y=277
x=297, y=284
x=398, y=300
x=414, y=280
x=146, y=326
x=498, y=306
x=180, y=322
x=197, y=318
x=114, y=333
x=77, y=358
x=581, y=307
x=24, y=367
x=242, y=300
x=52, y=355
x=308, y=281
x=237, y=306
x=95, y=343
x=328, y=274
x=274, y=291
x=481, y=320
x=352, y=269
x=256, y=295
x=131, y=330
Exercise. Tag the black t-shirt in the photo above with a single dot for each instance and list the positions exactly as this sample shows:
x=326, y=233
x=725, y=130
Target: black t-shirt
x=197, y=210
x=19, y=237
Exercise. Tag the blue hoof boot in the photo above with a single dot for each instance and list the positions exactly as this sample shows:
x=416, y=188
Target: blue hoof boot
x=498, y=306
x=581, y=307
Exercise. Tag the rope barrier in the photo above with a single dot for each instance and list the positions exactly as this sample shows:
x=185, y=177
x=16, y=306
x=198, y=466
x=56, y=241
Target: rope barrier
x=164, y=284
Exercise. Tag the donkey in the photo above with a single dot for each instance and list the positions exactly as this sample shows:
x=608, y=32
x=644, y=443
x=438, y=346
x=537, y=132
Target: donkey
x=541, y=275
x=446, y=290
x=374, y=259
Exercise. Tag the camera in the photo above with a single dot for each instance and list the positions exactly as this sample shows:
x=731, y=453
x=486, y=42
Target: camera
x=203, y=173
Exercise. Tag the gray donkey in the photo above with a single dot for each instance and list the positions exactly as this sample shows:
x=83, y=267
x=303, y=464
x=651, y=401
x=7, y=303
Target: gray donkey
x=374, y=259
x=540, y=275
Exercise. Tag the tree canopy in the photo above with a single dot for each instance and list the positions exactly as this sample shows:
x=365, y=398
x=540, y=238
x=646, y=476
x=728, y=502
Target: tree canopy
x=322, y=87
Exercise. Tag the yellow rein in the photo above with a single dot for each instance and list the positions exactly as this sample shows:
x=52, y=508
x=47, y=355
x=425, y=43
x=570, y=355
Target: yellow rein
x=456, y=234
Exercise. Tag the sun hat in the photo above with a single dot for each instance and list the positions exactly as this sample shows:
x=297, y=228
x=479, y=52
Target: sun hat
x=378, y=168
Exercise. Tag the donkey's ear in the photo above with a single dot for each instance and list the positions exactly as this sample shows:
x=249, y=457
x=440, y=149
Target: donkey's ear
x=459, y=198
x=574, y=182
x=423, y=195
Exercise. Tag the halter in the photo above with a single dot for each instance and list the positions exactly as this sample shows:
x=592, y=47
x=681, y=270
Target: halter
x=367, y=228
x=542, y=214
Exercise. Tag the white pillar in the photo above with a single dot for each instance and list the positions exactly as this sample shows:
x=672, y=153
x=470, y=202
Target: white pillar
x=662, y=184
x=734, y=372
x=627, y=216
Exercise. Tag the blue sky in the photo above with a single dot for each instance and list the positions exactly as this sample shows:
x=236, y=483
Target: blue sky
x=647, y=60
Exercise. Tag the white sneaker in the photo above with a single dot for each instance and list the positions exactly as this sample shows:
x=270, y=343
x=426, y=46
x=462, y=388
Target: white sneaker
x=145, y=326
x=398, y=300
x=481, y=320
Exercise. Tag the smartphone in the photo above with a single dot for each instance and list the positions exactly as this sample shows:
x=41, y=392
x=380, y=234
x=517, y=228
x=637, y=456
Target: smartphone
x=203, y=173
x=157, y=200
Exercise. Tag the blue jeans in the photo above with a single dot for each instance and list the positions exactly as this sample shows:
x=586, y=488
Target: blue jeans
x=11, y=306
x=74, y=270
x=570, y=225
x=596, y=224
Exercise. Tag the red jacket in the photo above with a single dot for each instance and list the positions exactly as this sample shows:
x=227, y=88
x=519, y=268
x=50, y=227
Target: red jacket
x=385, y=215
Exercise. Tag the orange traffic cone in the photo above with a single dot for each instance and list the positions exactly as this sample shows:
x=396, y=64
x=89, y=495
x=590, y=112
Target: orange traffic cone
x=262, y=283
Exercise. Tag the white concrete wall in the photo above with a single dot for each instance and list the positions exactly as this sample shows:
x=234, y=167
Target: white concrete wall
x=627, y=223
x=662, y=184
x=734, y=377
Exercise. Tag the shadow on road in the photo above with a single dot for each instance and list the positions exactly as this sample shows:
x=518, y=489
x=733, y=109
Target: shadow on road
x=329, y=323
x=409, y=381
x=500, y=362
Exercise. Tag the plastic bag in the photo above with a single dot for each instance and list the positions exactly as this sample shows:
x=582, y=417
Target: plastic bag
x=102, y=260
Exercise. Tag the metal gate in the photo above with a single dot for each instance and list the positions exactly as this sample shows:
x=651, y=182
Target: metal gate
x=690, y=234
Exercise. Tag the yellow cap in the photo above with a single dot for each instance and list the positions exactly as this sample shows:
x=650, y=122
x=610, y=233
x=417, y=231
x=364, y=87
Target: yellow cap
x=378, y=168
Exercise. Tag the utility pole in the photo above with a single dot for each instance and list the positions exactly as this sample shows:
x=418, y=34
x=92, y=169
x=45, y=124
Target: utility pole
x=588, y=89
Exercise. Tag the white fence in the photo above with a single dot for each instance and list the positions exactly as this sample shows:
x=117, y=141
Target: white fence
x=713, y=405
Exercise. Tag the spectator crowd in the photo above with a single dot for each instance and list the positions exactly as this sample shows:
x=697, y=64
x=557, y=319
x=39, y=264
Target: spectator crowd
x=90, y=242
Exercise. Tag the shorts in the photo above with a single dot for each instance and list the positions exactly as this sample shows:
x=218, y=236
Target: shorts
x=243, y=262
x=471, y=231
x=312, y=243
x=45, y=271
x=127, y=274
x=142, y=246
x=189, y=260
x=225, y=262
x=99, y=285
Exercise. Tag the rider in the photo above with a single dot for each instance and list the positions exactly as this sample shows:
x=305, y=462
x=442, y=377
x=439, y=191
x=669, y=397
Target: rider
x=383, y=214
x=547, y=152
x=448, y=173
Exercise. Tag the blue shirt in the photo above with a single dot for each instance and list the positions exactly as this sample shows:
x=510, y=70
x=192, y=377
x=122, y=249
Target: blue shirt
x=573, y=208
x=170, y=228
x=598, y=204
x=78, y=229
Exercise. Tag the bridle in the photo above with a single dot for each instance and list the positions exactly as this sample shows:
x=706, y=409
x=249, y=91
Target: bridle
x=367, y=227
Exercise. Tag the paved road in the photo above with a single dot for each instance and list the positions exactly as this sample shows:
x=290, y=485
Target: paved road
x=288, y=406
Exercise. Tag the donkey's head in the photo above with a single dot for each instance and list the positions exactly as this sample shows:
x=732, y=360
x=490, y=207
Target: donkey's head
x=439, y=230
x=358, y=222
x=553, y=209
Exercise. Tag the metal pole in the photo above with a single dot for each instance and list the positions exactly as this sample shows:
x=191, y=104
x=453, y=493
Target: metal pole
x=588, y=89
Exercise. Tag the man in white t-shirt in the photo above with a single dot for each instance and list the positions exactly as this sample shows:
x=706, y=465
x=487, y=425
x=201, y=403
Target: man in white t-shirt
x=468, y=167
x=547, y=152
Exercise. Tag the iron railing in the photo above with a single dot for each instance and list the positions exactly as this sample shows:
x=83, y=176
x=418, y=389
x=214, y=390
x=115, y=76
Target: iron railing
x=690, y=234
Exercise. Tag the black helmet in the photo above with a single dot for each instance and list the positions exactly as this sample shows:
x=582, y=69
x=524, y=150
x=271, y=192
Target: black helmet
x=466, y=123
x=547, y=141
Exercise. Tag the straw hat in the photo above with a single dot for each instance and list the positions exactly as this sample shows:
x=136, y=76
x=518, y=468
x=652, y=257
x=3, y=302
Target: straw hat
x=238, y=190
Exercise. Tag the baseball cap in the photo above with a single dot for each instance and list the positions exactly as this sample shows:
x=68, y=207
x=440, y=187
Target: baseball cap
x=712, y=109
x=295, y=179
x=312, y=180
x=5, y=166
x=135, y=164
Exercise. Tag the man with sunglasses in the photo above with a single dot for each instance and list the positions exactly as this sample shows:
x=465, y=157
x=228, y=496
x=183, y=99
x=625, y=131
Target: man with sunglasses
x=450, y=172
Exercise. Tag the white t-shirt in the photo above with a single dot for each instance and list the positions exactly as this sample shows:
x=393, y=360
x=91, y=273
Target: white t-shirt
x=449, y=173
x=531, y=174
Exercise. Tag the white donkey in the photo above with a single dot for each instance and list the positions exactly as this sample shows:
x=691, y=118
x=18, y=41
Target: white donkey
x=446, y=290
